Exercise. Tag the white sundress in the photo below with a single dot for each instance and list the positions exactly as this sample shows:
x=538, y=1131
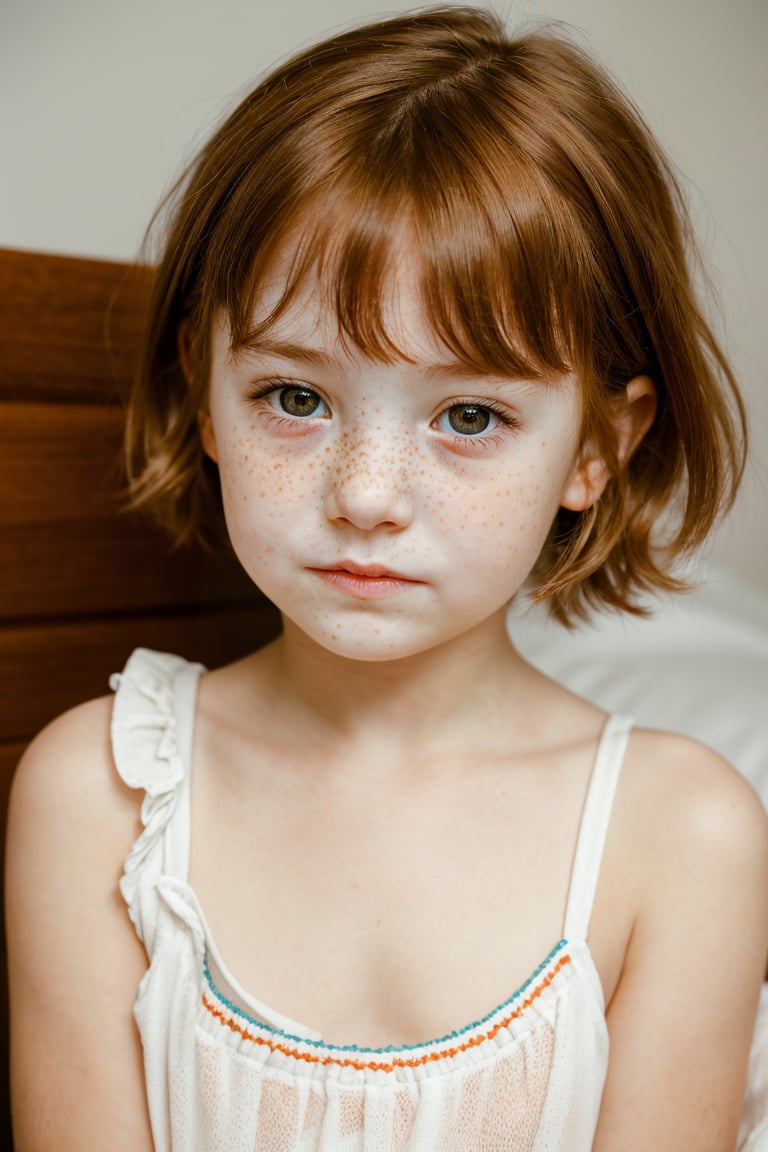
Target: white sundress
x=225, y=1072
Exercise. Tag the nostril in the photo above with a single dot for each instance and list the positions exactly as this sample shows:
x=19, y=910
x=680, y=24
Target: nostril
x=368, y=499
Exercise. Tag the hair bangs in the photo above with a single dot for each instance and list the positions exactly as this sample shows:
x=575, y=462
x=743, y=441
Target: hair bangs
x=428, y=181
x=489, y=287
x=343, y=251
x=485, y=266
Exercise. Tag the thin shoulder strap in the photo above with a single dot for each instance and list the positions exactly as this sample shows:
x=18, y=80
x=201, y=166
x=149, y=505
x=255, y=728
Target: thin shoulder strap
x=594, y=825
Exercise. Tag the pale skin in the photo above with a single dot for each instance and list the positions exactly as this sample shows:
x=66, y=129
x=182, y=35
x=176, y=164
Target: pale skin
x=425, y=769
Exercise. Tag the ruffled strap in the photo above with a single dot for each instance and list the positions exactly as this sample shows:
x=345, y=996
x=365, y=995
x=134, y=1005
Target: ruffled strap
x=146, y=749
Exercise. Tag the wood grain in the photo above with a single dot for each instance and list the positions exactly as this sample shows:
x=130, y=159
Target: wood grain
x=59, y=462
x=6, y=1138
x=69, y=328
x=47, y=668
x=10, y=754
x=86, y=567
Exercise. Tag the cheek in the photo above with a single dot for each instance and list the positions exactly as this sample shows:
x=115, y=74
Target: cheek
x=267, y=498
x=501, y=517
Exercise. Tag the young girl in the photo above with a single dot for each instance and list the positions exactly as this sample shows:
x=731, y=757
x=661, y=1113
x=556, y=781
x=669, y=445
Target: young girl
x=423, y=328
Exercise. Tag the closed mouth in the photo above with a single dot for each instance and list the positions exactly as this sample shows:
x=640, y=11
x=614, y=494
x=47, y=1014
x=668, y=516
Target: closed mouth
x=366, y=571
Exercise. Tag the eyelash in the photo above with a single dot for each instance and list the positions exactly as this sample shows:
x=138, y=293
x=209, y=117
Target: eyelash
x=281, y=419
x=278, y=384
x=489, y=439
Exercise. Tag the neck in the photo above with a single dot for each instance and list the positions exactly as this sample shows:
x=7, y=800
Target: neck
x=442, y=698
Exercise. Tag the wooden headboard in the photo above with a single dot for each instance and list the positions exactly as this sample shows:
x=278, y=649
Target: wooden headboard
x=81, y=582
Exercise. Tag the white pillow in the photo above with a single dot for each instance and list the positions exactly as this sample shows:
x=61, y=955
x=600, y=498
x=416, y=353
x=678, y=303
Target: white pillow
x=698, y=666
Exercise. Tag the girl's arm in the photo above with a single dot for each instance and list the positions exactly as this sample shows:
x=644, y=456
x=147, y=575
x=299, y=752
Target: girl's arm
x=681, y=1019
x=74, y=961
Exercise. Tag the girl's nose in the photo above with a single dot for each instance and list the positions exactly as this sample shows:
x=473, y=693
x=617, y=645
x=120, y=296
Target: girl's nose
x=370, y=486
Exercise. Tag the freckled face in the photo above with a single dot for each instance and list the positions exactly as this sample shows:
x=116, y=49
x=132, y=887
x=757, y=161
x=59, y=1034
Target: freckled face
x=385, y=508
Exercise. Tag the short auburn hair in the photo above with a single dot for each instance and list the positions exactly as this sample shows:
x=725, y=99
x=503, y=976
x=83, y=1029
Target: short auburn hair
x=549, y=234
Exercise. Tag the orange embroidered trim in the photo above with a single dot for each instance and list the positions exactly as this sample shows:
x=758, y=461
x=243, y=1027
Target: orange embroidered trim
x=400, y=1062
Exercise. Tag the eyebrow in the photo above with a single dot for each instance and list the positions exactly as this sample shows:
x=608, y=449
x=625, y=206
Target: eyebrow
x=317, y=357
x=288, y=350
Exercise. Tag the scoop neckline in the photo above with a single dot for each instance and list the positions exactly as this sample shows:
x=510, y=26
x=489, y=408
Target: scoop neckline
x=229, y=992
x=270, y=1019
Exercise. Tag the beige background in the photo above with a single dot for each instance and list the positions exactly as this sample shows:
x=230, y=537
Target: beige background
x=102, y=100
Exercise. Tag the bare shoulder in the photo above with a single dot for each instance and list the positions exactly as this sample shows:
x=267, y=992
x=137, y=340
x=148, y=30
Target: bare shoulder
x=66, y=793
x=69, y=762
x=694, y=845
x=73, y=957
x=71, y=822
x=686, y=798
x=691, y=848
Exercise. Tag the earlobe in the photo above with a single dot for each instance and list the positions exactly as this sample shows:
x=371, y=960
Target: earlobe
x=207, y=436
x=591, y=472
x=586, y=482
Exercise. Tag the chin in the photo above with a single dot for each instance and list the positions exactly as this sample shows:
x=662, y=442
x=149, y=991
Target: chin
x=370, y=648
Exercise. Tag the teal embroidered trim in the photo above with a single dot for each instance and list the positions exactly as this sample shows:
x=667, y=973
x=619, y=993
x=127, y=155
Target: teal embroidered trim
x=451, y=1036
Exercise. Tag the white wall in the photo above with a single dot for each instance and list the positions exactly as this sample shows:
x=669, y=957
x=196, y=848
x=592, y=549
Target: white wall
x=103, y=99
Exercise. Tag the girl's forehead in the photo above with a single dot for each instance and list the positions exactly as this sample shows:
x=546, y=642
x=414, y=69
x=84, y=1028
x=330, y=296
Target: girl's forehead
x=307, y=314
x=393, y=298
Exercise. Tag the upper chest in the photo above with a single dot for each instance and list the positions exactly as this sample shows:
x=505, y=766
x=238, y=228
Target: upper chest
x=379, y=915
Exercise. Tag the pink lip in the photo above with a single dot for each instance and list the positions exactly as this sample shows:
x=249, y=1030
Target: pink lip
x=364, y=581
x=373, y=571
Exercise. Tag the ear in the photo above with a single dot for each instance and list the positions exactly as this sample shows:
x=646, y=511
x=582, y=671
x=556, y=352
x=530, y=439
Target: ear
x=186, y=359
x=591, y=473
x=207, y=435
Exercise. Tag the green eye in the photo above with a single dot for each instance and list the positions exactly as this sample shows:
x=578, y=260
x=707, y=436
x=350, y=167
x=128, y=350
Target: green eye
x=301, y=402
x=467, y=419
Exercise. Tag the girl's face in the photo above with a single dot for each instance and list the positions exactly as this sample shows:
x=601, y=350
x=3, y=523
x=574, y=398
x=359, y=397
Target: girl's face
x=385, y=508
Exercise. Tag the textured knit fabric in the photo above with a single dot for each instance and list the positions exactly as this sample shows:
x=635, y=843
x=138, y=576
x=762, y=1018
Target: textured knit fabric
x=226, y=1072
